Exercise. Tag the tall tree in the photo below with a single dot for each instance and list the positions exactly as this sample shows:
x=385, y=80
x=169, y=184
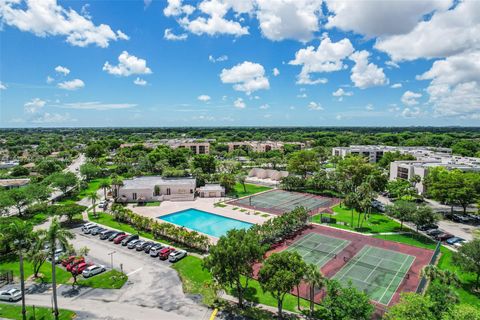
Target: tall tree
x=468, y=259
x=231, y=260
x=402, y=210
x=55, y=236
x=280, y=273
x=411, y=306
x=205, y=162
x=104, y=184
x=241, y=179
x=424, y=215
x=63, y=180
x=93, y=197
x=302, y=162
x=315, y=280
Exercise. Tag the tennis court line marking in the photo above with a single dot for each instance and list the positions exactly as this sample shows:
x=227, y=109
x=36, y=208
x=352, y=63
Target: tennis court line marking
x=400, y=282
x=371, y=272
x=342, y=244
x=355, y=263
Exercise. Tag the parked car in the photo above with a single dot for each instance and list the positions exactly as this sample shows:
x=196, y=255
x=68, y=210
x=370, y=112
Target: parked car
x=129, y=238
x=443, y=236
x=459, y=244
x=176, y=255
x=148, y=246
x=139, y=245
x=88, y=227
x=155, y=249
x=68, y=260
x=460, y=218
x=75, y=263
x=165, y=252
x=97, y=230
x=56, y=256
x=474, y=218
x=434, y=232
x=132, y=243
x=114, y=235
x=118, y=239
x=93, y=270
x=104, y=235
x=11, y=295
x=80, y=267
x=428, y=227
x=103, y=205
x=454, y=240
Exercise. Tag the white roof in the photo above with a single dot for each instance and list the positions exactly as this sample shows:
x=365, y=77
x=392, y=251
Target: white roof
x=212, y=187
x=152, y=181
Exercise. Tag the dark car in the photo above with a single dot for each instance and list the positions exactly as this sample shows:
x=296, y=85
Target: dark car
x=106, y=234
x=118, y=239
x=460, y=218
x=115, y=235
x=148, y=246
x=139, y=244
x=474, y=219
x=131, y=237
x=454, y=240
x=97, y=230
x=428, y=227
x=434, y=232
x=443, y=236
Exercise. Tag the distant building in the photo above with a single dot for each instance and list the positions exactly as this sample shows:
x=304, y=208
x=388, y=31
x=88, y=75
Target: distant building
x=197, y=146
x=156, y=188
x=262, y=146
x=8, y=164
x=13, y=183
x=268, y=177
x=211, y=191
x=375, y=152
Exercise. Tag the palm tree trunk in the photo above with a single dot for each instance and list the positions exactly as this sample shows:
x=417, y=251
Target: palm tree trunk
x=298, y=297
x=312, y=297
x=22, y=286
x=54, y=285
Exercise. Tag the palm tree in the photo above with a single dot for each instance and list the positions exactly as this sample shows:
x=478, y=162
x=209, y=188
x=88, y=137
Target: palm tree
x=55, y=236
x=315, y=279
x=116, y=183
x=104, y=184
x=93, y=197
x=241, y=179
x=22, y=233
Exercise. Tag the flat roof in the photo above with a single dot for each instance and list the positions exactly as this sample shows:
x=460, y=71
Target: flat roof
x=152, y=181
x=13, y=182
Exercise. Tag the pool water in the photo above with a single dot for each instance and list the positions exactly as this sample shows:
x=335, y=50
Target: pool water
x=205, y=222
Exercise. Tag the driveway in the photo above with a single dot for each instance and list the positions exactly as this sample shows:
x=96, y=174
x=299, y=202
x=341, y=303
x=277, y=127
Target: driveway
x=461, y=230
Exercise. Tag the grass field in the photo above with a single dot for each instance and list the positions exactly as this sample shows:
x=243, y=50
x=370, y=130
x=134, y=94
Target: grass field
x=197, y=281
x=111, y=279
x=251, y=189
x=376, y=223
x=13, y=311
x=465, y=292
x=46, y=271
x=93, y=186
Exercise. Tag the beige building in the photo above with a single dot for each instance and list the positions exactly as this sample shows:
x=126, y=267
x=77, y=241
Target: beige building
x=211, y=191
x=197, y=146
x=262, y=146
x=13, y=183
x=155, y=188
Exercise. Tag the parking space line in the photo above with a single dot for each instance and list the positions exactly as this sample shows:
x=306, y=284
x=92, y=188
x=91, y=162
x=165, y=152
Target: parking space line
x=135, y=271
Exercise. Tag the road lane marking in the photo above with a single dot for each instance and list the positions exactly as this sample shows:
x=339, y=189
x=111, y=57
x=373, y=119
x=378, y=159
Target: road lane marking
x=135, y=271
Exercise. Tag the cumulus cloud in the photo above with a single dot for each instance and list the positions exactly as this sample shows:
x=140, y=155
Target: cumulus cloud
x=140, y=82
x=127, y=65
x=411, y=112
x=204, y=98
x=71, y=85
x=96, y=105
x=364, y=74
x=340, y=93
x=396, y=86
x=246, y=76
x=169, y=35
x=3, y=86
x=47, y=18
x=275, y=72
x=239, y=103
x=410, y=98
x=176, y=8
x=221, y=58
x=34, y=105
x=328, y=57
x=63, y=70
x=315, y=106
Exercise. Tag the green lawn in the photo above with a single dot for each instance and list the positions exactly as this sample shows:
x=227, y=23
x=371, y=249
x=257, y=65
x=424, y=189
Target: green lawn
x=111, y=279
x=153, y=204
x=239, y=192
x=93, y=186
x=467, y=280
x=46, y=271
x=197, y=281
x=376, y=223
x=13, y=311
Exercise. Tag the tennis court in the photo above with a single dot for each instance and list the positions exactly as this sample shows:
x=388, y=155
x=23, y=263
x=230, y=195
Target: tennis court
x=280, y=201
x=376, y=271
x=318, y=249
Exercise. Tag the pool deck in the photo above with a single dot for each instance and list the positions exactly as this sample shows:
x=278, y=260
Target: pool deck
x=205, y=204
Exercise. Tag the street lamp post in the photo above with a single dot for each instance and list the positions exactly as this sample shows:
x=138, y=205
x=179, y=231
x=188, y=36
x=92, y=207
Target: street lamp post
x=111, y=257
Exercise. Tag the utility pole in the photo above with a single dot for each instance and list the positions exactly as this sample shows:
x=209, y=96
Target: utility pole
x=111, y=257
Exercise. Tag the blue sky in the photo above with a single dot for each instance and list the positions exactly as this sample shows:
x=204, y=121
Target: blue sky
x=239, y=63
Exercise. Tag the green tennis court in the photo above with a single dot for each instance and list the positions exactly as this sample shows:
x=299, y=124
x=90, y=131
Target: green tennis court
x=378, y=272
x=318, y=249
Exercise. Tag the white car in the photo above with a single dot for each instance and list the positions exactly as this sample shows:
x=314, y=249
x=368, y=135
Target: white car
x=93, y=270
x=88, y=227
x=103, y=204
x=176, y=255
x=11, y=295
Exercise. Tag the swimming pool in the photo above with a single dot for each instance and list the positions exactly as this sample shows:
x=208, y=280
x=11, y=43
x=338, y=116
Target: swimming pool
x=205, y=222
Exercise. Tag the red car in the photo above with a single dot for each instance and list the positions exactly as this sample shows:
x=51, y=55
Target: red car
x=67, y=261
x=78, y=269
x=163, y=254
x=75, y=263
x=119, y=239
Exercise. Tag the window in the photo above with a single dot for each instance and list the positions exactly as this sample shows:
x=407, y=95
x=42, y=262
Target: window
x=134, y=196
x=402, y=173
x=191, y=190
x=194, y=149
x=201, y=149
x=168, y=192
x=156, y=191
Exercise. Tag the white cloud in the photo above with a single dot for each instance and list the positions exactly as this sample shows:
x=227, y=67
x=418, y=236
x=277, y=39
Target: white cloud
x=47, y=18
x=410, y=98
x=289, y=19
x=63, y=70
x=176, y=8
x=50, y=79
x=446, y=33
x=169, y=35
x=239, y=103
x=140, y=82
x=3, y=86
x=147, y=3
x=454, y=89
x=369, y=107
x=340, y=93
x=34, y=105
x=328, y=57
x=53, y=118
x=246, y=76
x=392, y=64
x=364, y=74
x=275, y=72
x=128, y=65
x=264, y=106
x=315, y=106
x=204, y=98
x=411, y=112
x=218, y=59
x=95, y=105
x=376, y=18
x=72, y=84
x=396, y=85
x=302, y=95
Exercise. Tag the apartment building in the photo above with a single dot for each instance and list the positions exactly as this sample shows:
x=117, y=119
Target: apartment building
x=197, y=146
x=262, y=146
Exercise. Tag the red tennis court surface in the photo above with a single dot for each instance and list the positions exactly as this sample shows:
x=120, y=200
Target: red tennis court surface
x=357, y=242
x=280, y=201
